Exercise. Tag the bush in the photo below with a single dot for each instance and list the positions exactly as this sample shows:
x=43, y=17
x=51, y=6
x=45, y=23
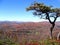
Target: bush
x=41, y=42
x=7, y=41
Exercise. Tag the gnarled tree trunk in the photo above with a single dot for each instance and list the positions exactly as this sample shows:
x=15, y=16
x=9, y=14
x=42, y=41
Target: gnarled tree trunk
x=51, y=29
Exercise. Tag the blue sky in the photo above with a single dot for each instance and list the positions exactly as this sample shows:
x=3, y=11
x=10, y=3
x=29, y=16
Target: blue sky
x=15, y=10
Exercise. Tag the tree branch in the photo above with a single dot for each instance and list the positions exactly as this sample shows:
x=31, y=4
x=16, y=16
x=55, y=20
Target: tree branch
x=55, y=19
x=48, y=18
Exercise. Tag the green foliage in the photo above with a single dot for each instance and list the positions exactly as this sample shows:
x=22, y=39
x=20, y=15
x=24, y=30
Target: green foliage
x=40, y=7
x=49, y=42
x=40, y=42
x=7, y=41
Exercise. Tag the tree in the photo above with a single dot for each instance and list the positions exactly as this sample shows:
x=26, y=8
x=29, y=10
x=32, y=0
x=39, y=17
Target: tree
x=45, y=12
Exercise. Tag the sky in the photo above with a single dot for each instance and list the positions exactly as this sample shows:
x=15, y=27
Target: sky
x=15, y=10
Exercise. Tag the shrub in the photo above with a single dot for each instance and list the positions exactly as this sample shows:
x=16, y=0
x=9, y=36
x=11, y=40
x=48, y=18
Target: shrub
x=7, y=41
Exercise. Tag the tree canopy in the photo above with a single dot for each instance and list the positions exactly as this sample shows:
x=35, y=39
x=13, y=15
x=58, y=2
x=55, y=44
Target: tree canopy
x=40, y=9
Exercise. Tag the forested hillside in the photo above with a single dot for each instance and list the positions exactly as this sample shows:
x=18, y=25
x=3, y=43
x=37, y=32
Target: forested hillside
x=19, y=31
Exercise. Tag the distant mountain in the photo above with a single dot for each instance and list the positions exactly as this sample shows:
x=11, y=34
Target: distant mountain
x=23, y=22
x=10, y=22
